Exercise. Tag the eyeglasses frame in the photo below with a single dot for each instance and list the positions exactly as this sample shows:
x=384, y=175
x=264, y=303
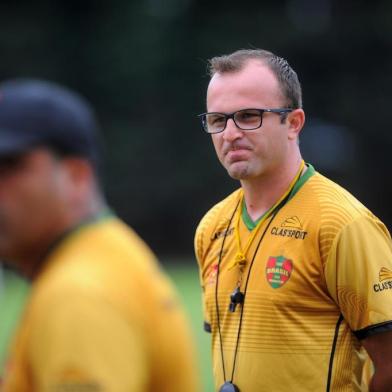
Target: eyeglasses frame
x=229, y=116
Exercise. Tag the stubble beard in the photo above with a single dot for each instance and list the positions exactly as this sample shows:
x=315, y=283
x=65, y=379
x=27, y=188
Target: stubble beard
x=238, y=171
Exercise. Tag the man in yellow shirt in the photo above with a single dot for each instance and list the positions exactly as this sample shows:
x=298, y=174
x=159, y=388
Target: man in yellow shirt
x=101, y=316
x=296, y=273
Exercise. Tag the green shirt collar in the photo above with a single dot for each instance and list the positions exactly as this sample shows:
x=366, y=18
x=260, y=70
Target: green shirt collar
x=250, y=224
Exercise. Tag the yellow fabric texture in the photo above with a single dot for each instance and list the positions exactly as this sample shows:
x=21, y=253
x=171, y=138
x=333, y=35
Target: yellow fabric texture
x=321, y=257
x=102, y=317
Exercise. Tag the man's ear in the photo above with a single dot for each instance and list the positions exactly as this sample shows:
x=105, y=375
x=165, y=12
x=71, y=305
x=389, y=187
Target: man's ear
x=80, y=181
x=296, y=121
x=79, y=171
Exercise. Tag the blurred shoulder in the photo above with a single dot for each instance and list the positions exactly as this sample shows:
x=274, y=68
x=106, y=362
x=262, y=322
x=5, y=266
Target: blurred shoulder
x=97, y=259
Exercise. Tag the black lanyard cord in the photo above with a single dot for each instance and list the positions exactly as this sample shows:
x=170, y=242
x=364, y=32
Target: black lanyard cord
x=277, y=209
x=216, y=289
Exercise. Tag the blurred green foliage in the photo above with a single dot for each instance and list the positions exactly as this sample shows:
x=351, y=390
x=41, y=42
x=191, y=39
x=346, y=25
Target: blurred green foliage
x=13, y=292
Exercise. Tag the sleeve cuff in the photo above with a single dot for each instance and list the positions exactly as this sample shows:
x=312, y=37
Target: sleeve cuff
x=373, y=330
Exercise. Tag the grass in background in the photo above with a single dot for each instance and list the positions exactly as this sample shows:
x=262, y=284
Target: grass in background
x=186, y=278
x=13, y=291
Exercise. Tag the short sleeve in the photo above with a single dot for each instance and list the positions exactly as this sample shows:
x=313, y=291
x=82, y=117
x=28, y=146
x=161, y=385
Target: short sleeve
x=359, y=275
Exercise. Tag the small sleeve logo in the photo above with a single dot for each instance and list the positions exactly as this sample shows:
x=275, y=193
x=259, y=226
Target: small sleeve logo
x=385, y=280
x=211, y=274
x=385, y=274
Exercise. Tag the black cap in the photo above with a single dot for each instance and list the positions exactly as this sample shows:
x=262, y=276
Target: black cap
x=41, y=113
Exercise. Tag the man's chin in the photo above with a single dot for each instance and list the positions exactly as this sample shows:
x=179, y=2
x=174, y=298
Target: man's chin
x=238, y=171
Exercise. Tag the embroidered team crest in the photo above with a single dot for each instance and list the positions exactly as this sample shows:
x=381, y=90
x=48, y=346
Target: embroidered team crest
x=278, y=271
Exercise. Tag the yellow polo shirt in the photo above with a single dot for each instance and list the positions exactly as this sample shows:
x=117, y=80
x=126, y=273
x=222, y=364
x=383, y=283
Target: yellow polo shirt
x=321, y=281
x=102, y=317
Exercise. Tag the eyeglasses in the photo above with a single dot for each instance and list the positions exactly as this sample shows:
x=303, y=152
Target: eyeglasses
x=245, y=119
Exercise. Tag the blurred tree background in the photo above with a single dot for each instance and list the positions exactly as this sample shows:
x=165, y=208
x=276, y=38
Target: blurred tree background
x=142, y=64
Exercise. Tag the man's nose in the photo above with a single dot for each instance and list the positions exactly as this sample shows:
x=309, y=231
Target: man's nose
x=232, y=132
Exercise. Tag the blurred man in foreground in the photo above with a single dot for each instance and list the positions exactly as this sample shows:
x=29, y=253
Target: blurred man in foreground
x=101, y=316
x=297, y=273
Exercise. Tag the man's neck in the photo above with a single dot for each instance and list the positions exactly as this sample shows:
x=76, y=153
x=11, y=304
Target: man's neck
x=261, y=193
x=31, y=264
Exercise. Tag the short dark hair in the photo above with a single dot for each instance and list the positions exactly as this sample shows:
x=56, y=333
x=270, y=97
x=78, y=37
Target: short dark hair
x=286, y=76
